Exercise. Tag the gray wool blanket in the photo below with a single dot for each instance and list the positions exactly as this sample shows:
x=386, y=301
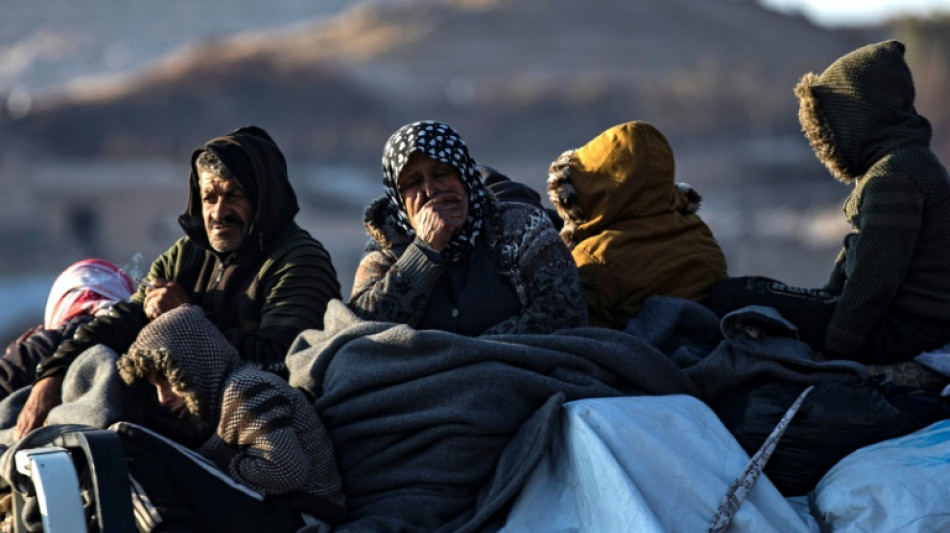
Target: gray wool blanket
x=750, y=344
x=437, y=432
x=92, y=395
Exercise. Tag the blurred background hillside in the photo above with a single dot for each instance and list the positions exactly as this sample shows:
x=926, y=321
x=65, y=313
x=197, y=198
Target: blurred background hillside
x=100, y=106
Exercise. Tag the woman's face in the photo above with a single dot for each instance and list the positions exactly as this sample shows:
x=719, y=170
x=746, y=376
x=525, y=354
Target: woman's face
x=427, y=181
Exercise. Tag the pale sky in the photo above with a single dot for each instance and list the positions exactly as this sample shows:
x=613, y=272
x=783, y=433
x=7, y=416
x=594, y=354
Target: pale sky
x=857, y=12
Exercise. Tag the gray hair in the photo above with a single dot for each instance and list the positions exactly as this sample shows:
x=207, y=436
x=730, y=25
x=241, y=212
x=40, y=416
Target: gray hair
x=209, y=161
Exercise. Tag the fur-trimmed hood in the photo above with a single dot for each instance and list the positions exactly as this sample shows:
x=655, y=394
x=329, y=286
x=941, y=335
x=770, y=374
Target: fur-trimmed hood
x=191, y=353
x=624, y=173
x=861, y=108
x=380, y=222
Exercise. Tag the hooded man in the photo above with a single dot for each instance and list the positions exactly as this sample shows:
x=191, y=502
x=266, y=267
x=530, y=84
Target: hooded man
x=891, y=275
x=258, y=276
x=253, y=425
x=633, y=232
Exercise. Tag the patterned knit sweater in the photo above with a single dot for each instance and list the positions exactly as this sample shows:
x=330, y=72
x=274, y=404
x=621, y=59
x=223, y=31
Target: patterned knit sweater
x=399, y=277
x=859, y=117
x=258, y=429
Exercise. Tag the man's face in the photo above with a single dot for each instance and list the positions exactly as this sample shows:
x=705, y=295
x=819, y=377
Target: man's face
x=225, y=210
x=169, y=397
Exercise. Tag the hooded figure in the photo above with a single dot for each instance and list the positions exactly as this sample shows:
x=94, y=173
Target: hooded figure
x=261, y=294
x=503, y=269
x=253, y=425
x=86, y=287
x=83, y=290
x=891, y=275
x=632, y=231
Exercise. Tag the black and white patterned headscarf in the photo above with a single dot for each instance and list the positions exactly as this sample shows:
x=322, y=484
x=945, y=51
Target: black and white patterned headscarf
x=439, y=141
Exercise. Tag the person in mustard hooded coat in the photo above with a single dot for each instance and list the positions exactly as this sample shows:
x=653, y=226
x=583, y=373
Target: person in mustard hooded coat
x=632, y=230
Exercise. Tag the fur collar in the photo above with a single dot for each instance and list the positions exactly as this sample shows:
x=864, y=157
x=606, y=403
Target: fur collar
x=819, y=135
x=694, y=200
x=563, y=196
x=380, y=222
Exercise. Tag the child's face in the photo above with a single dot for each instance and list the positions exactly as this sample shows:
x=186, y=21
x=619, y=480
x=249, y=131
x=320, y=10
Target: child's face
x=169, y=397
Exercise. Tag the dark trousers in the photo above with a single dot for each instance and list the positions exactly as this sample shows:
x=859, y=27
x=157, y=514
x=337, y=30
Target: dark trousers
x=893, y=339
x=187, y=497
x=809, y=309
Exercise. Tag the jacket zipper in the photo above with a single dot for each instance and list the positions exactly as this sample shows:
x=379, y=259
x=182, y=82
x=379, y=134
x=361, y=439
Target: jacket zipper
x=220, y=273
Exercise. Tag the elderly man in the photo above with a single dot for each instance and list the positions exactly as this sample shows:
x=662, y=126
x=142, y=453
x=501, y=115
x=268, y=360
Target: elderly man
x=258, y=276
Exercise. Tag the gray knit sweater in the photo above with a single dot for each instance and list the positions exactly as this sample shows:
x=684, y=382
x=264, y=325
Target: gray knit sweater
x=260, y=430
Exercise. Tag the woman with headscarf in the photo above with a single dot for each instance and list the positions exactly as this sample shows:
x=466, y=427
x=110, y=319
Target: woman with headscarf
x=85, y=289
x=446, y=254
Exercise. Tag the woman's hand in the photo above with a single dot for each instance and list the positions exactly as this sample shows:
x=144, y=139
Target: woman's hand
x=439, y=218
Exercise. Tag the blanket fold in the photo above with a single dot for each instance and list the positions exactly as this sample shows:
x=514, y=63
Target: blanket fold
x=435, y=431
x=754, y=343
x=420, y=418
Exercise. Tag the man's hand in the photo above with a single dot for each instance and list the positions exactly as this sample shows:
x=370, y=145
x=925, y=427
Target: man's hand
x=44, y=396
x=440, y=219
x=163, y=297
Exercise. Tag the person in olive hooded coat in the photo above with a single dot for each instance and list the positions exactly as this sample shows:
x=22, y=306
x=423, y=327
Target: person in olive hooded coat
x=633, y=232
x=888, y=297
x=272, y=282
x=891, y=275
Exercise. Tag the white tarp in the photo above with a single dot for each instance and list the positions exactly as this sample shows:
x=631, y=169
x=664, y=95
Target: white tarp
x=644, y=464
x=901, y=485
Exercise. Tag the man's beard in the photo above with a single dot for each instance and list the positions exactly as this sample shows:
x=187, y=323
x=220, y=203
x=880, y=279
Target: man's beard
x=227, y=244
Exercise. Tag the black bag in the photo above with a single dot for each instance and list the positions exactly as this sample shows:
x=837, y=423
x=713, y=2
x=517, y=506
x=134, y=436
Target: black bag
x=835, y=420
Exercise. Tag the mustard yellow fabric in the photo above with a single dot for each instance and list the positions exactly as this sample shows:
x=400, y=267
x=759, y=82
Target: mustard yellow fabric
x=639, y=239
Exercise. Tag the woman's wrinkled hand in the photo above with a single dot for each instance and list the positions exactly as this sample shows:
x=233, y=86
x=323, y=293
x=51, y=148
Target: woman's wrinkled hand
x=439, y=219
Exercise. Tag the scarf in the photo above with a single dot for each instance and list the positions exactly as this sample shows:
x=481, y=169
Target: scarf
x=438, y=141
x=86, y=287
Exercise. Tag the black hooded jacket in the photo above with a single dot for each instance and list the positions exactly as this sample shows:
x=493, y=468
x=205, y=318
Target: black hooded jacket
x=276, y=284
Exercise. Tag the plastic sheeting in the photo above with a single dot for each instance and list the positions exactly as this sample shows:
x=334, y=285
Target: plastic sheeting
x=898, y=485
x=645, y=464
